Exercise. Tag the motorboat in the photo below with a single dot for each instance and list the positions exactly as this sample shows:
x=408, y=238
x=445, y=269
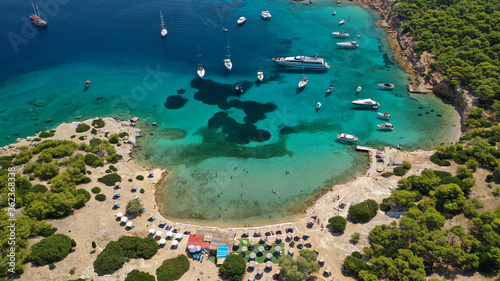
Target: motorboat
x=366, y=102
x=227, y=62
x=330, y=89
x=265, y=14
x=359, y=88
x=386, y=126
x=318, y=105
x=35, y=18
x=348, y=45
x=163, y=29
x=334, y=13
x=260, y=75
x=384, y=115
x=347, y=137
x=303, y=62
x=340, y=34
x=224, y=29
x=201, y=69
x=303, y=82
x=241, y=20
x=87, y=83
x=386, y=85
x=239, y=88
x=342, y=22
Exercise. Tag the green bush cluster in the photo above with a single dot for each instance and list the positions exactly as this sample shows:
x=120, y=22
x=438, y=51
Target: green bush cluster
x=51, y=249
x=113, y=256
x=93, y=161
x=136, y=275
x=100, y=197
x=95, y=190
x=300, y=268
x=98, y=123
x=139, y=177
x=45, y=134
x=364, y=211
x=337, y=223
x=123, y=134
x=103, y=149
x=440, y=159
x=82, y=127
x=173, y=269
x=114, y=138
x=111, y=179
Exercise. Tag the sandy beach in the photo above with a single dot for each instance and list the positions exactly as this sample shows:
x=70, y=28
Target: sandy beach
x=97, y=221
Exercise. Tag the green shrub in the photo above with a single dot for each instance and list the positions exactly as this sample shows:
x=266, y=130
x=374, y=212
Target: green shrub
x=490, y=178
x=111, y=179
x=439, y=159
x=113, y=168
x=93, y=131
x=232, y=268
x=108, y=171
x=93, y=161
x=134, y=207
x=47, y=171
x=399, y=171
x=142, y=190
x=37, y=139
x=139, y=177
x=385, y=207
x=72, y=271
x=95, y=190
x=95, y=142
x=82, y=127
x=100, y=197
x=46, y=232
x=496, y=191
x=114, y=138
x=406, y=165
x=355, y=237
x=89, y=172
x=72, y=136
x=39, y=188
x=23, y=157
x=123, y=134
x=387, y=174
x=363, y=211
x=136, y=275
x=130, y=180
x=51, y=249
x=31, y=167
x=292, y=243
x=98, y=123
x=337, y=223
x=46, y=135
x=52, y=266
x=82, y=138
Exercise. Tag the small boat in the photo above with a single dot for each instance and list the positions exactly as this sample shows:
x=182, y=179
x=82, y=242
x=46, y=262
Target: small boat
x=303, y=82
x=366, y=102
x=359, y=88
x=386, y=85
x=348, y=45
x=224, y=29
x=265, y=14
x=87, y=83
x=347, y=137
x=163, y=29
x=385, y=115
x=318, y=105
x=334, y=13
x=386, y=126
x=35, y=18
x=342, y=22
x=338, y=2
x=239, y=88
x=201, y=69
x=227, y=62
x=260, y=75
x=340, y=34
x=330, y=89
x=241, y=20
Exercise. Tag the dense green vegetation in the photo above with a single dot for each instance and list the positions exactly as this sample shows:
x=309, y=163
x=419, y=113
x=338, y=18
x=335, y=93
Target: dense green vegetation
x=98, y=123
x=337, y=223
x=51, y=249
x=134, y=207
x=173, y=269
x=82, y=128
x=111, y=179
x=113, y=256
x=136, y=275
x=233, y=267
x=299, y=269
x=364, y=211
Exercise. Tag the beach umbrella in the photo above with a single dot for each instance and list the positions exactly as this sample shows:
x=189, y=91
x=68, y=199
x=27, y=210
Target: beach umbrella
x=382, y=156
x=119, y=214
x=170, y=233
x=178, y=236
x=269, y=255
x=252, y=255
x=124, y=219
x=158, y=233
x=260, y=270
x=152, y=231
x=163, y=241
x=261, y=248
x=175, y=242
x=269, y=263
x=251, y=263
x=236, y=242
x=192, y=250
x=190, y=246
x=277, y=248
x=244, y=249
x=321, y=260
x=251, y=278
x=129, y=223
x=198, y=248
x=328, y=271
x=379, y=152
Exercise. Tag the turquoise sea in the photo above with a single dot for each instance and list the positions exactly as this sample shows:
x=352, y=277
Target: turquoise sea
x=226, y=153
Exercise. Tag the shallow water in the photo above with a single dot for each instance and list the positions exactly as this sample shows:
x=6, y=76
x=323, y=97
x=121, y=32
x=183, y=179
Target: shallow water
x=218, y=142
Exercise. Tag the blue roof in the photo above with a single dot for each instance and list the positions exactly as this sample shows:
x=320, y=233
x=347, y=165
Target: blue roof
x=222, y=251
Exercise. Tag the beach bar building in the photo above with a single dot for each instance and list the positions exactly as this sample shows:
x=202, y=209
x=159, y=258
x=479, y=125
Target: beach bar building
x=199, y=240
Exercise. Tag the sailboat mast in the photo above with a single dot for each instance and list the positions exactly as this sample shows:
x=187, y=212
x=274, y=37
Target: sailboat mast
x=33, y=5
x=228, y=47
x=37, y=11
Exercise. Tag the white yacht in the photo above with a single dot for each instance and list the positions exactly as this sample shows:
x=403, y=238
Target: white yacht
x=340, y=34
x=342, y=22
x=359, y=88
x=241, y=20
x=384, y=115
x=163, y=28
x=348, y=45
x=334, y=13
x=347, y=137
x=303, y=82
x=260, y=75
x=227, y=62
x=201, y=69
x=265, y=14
x=366, y=102
x=386, y=126
x=303, y=62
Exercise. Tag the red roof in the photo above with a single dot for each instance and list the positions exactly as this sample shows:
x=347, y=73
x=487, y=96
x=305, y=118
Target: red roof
x=197, y=240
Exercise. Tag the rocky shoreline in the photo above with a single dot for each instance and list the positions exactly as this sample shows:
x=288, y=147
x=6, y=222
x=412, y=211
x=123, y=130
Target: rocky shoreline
x=418, y=68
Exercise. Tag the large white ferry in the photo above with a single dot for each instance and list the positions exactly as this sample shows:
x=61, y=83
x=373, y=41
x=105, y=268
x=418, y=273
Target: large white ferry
x=303, y=62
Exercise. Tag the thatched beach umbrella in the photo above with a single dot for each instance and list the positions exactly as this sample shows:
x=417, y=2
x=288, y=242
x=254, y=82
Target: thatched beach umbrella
x=269, y=255
x=321, y=260
x=236, y=242
x=260, y=270
x=252, y=255
x=251, y=263
x=269, y=264
x=277, y=248
x=244, y=249
x=261, y=248
x=269, y=243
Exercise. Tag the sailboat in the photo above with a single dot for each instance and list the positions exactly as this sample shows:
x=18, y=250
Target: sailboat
x=265, y=14
x=260, y=74
x=163, y=29
x=35, y=18
x=227, y=62
x=201, y=69
x=347, y=44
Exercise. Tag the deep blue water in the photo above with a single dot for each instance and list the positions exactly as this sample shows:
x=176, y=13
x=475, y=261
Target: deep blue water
x=117, y=45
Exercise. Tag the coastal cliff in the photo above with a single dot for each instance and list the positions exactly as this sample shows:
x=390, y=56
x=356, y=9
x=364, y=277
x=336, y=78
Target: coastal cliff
x=423, y=80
